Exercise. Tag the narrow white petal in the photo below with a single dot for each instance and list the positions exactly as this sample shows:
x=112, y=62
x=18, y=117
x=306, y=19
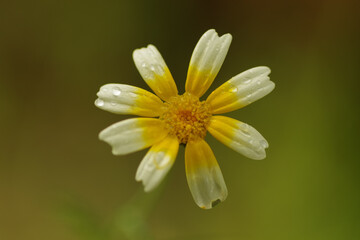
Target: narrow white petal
x=239, y=136
x=206, y=61
x=157, y=163
x=133, y=134
x=154, y=71
x=241, y=90
x=126, y=99
x=203, y=175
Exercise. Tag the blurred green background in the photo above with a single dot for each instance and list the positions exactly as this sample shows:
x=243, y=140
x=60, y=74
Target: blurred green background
x=58, y=181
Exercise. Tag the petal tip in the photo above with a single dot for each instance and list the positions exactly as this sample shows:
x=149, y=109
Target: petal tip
x=272, y=86
x=260, y=156
x=210, y=31
x=101, y=135
x=227, y=37
x=265, y=69
x=148, y=189
x=135, y=53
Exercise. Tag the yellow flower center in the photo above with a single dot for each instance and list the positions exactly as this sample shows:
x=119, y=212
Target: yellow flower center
x=186, y=117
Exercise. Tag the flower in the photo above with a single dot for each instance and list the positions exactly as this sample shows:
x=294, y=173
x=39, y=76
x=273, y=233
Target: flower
x=168, y=119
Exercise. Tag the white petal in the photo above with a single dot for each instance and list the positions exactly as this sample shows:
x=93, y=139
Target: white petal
x=154, y=71
x=157, y=163
x=203, y=175
x=241, y=90
x=126, y=99
x=206, y=61
x=239, y=136
x=133, y=134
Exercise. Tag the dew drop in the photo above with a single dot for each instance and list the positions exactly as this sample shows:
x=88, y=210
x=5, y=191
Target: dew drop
x=152, y=68
x=134, y=95
x=143, y=65
x=149, y=167
x=113, y=103
x=264, y=143
x=159, y=91
x=99, y=102
x=245, y=133
x=245, y=129
x=116, y=92
x=223, y=88
x=160, y=160
x=249, y=97
x=247, y=80
x=234, y=89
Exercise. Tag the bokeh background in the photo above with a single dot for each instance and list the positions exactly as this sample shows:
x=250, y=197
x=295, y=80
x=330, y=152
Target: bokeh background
x=58, y=181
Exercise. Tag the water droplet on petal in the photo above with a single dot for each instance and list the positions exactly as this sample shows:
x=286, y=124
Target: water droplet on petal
x=99, y=102
x=234, y=89
x=149, y=167
x=160, y=160
x=247, y=80
x=113, y=103
x=245, y=133
x=152, y=68
x=159, y=91
x=248, y=97
x=143, y=65
x=264, y=143
x=223, y=88
x=116, y=92
x=133, y=95
x=245, y=129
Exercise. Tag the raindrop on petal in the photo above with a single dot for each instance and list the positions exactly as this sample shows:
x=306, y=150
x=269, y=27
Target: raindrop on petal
x=245, y=129
x=149, y=167
x=116, y=92
x=234, y=89
x=247, y=80
x=160, y=160
x=99, y=102
x=264, y=143
x=131, y=94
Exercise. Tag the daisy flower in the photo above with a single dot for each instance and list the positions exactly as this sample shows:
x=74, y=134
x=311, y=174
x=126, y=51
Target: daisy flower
x=168, y=119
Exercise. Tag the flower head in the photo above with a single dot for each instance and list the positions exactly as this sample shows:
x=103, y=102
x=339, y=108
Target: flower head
x=168, y=119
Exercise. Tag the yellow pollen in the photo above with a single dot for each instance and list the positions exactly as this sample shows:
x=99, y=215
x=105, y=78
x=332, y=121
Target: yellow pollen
x=186, y=117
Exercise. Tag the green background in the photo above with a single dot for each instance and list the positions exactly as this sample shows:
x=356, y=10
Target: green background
x=58, y=181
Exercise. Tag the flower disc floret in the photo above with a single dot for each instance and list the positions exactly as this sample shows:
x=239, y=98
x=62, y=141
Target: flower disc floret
x=186, y=117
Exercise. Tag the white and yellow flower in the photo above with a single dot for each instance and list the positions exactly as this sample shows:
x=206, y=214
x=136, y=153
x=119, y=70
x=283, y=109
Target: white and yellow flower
x=168, y=119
